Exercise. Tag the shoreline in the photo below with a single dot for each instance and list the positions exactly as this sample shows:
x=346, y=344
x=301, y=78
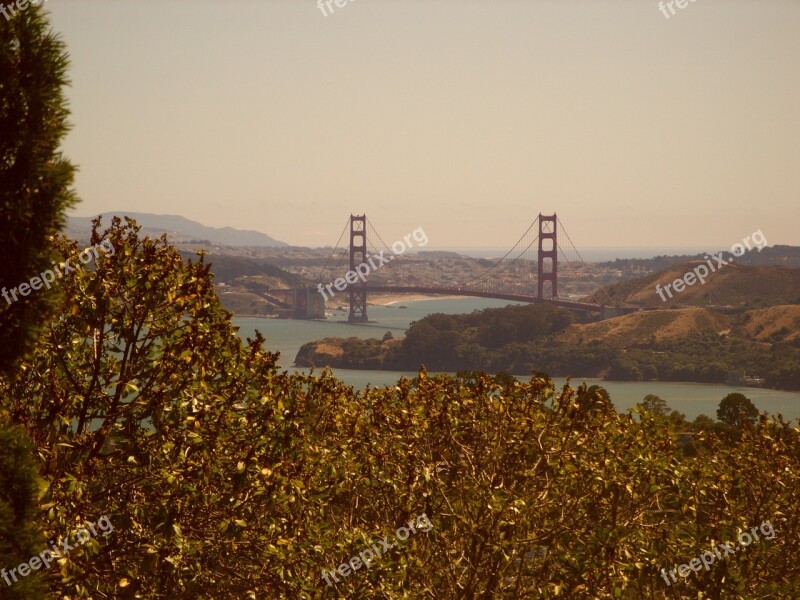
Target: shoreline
x=379, y=300
x=391, y=300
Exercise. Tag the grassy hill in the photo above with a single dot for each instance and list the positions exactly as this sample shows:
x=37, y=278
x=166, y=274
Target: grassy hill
x=246, y=304
x=645, y=328
x=241, y=282
x=255, y=273
x=732, y=285
x=762, y=326
x=773, y=324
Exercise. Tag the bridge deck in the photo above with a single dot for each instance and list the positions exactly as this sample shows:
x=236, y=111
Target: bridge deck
x=448, y=291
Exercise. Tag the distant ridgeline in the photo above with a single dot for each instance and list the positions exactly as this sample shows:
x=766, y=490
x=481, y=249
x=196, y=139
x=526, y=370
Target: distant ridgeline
x=178, y=229
x=735, y=287
x=779, y=256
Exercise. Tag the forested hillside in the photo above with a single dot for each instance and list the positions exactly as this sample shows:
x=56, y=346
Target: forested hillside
x=675, y=345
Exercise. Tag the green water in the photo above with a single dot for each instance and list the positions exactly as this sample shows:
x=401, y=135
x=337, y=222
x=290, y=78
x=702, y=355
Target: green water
x=692, y=399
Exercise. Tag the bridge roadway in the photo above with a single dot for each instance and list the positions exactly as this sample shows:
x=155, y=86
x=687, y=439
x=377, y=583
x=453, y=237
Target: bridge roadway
x=581, y=307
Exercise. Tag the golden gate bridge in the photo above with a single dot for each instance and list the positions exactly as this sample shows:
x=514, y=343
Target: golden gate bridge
x=528, y=272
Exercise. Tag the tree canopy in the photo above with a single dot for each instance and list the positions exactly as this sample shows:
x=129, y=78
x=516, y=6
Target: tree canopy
x=35, y=179
x=226, y=478
x=35, y=190
x=655, y=405
x=736, y=409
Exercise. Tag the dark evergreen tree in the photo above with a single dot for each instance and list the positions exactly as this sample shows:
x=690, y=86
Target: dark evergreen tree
x=35, y=179
x=35, y=191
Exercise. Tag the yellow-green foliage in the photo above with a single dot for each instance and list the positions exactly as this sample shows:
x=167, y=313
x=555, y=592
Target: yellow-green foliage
x=226, y=478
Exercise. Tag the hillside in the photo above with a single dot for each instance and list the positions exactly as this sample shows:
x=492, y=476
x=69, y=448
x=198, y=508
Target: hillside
x=773, y=324
x=241, y=283
x=762, y=325
x=178, y=229
x=346, y=353
x=690, y=344
x=644, y=328
x=779, y=255
x=733, y=285
x=255, y=273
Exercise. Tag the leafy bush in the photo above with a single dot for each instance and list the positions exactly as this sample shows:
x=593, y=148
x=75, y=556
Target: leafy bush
x=227, y=479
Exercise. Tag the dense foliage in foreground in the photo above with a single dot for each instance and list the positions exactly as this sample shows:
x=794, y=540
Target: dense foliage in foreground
x=225, y=478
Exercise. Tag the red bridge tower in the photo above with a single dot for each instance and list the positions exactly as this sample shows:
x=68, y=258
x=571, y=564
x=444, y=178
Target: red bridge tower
x=548, y=252
x=358, y=255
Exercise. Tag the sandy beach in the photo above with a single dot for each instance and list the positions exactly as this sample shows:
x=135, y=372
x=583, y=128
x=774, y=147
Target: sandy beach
x=391, y=299
x=385, y=299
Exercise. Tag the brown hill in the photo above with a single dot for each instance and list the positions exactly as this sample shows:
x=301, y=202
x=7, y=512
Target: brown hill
x=773, y=324
x=645, y=328
x=246, y=304
x=345, y=353
x=730, y=285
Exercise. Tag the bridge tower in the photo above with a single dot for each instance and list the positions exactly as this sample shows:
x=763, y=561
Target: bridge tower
x=308, y=304
x=548, y=251
x=358, y=255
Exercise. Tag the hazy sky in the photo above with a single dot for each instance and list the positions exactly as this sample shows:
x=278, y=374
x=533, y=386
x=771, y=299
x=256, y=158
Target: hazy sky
x=466, y=118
